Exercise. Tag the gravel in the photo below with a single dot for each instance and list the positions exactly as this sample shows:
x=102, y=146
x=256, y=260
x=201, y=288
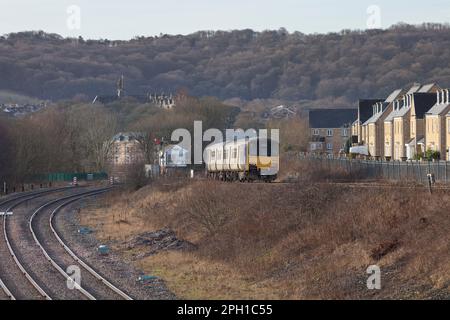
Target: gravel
x=114, y=267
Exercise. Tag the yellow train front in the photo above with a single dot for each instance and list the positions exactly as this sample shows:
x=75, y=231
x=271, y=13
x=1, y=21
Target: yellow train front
x=243, y=160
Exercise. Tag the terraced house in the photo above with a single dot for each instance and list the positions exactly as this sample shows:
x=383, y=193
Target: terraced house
x=421, y=102
x=437, y=122
x=403, y=127
x=372, y=132
x=365, y=111
x=330, y=129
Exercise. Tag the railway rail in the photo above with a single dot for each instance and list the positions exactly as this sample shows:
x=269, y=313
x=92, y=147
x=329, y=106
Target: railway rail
x=22, y=280
x=94, y=286
x=57, y=254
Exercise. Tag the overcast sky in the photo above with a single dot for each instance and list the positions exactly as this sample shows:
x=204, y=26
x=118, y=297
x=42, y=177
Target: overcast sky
x=129, y=18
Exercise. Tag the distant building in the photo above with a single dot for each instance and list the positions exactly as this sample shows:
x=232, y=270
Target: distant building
x=283, y=112
x=365, y=112
x=372, y=131
x=17, y=110
x=437, y=125
x=174, y=156
x=126, y=152
x=160, y=100
x=330, y=129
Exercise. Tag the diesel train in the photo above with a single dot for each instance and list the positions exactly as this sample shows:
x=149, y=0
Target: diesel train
x=244, y=160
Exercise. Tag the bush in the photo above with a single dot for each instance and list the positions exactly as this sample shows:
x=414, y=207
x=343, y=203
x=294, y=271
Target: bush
x=432, y=155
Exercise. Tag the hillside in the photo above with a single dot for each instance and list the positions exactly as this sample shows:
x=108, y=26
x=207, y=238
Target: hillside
x=334, y=68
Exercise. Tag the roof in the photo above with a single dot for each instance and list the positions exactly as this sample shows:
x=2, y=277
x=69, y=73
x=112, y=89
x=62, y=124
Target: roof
x=126, y=136
x=402, y=112
x=365, y=108
x=393, y=96
x=416, y=87
x=423, y=102
x=393, y=114
x=331, y=118
x=437, y=109
x=427, y=88
x=174, y=146
x=378, y=115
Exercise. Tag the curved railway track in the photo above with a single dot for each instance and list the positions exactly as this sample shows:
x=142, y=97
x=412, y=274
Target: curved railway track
x=93, y=285
x=33, y=278
x=19, y=280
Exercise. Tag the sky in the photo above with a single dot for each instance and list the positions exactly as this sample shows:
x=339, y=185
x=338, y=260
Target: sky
x=112, y=19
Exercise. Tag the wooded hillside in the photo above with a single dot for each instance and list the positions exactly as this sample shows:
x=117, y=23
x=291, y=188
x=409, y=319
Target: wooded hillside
x=244, y=64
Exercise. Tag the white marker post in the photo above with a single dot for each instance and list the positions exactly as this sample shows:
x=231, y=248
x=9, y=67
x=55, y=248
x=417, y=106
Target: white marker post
x=8, y=213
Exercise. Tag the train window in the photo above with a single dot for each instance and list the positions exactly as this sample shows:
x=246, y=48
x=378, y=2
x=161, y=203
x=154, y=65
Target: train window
x=213, y=154
x=264, y=148
x=225, y=154
x=234, y=153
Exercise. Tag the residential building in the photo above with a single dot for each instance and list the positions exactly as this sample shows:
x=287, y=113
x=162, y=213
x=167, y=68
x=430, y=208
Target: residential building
x=373, y=129
x=330, y=129
x=420, y=102
x=365, y=111
x=447, y=139
x=403, y=127
x=126, y=152
x=436, y=123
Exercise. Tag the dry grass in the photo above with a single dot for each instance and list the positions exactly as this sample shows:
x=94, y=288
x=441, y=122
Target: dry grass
x=295, y=241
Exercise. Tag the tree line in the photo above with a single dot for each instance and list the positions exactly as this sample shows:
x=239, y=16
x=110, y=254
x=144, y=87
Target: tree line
x=242, y=63
x=77, y=137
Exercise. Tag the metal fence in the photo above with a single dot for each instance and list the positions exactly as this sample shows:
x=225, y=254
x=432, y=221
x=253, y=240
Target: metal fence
x=68, y=176
x=390, y=170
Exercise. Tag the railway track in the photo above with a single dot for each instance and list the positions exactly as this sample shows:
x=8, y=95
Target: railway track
x=28, y=236
x=93, y=285
x=17, y=280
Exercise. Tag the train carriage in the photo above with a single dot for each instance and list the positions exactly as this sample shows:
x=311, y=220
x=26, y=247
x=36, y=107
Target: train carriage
x=243, y=159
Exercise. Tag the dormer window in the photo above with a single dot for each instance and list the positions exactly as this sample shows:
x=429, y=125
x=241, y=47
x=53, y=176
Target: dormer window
x=330, y=132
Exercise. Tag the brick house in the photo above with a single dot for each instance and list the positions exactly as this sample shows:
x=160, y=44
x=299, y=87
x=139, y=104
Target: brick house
x=365, y=112
x=403, y=127
x=373, y=129
x=126, y=152
x=330, y=129
x=436, y=124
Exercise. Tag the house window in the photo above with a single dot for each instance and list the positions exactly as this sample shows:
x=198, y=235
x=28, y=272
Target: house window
x=344, y=132
x=169, y=157
x=329, y=132
x=329, y=146
x=315, y=132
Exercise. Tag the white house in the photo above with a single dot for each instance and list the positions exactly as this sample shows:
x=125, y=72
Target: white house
x=174, y=156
